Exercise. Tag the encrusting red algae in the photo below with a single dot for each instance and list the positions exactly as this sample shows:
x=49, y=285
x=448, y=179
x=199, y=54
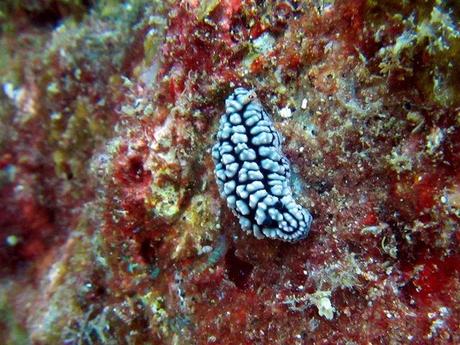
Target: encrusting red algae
x=113, y=230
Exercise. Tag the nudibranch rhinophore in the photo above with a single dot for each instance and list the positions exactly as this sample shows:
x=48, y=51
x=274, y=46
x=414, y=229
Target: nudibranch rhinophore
x=252, y=173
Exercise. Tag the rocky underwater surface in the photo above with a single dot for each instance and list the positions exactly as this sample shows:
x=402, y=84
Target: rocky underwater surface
x=112, y=226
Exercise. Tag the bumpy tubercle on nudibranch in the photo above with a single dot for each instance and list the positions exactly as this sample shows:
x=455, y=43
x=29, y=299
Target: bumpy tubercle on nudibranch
x=253, y=174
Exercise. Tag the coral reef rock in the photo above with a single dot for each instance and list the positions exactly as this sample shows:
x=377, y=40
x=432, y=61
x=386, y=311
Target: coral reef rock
x=112, y=227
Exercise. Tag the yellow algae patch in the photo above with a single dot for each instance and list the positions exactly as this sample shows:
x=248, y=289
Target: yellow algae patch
x=197, y=223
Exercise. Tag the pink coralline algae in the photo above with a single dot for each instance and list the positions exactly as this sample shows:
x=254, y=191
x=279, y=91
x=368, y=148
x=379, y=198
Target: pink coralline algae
x=112, y=225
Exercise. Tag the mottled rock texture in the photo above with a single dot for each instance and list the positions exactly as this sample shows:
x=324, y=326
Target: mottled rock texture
x=112, y=229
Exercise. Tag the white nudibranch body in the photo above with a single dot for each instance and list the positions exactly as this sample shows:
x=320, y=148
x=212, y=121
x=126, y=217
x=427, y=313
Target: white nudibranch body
x=253, y=174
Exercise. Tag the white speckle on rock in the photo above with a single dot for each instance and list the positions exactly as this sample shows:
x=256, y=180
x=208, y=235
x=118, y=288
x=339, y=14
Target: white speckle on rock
x=264, y=43
x=285, y=113
x=304, y=104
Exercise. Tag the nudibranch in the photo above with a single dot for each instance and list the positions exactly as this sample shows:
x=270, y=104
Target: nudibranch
x=253, y=174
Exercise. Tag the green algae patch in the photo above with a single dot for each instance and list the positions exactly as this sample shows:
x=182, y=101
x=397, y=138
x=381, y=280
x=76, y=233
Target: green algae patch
x=205, y=8
x=429, y=32
x=197, y=225
x=13, y=333
x=74, y=137
x=164, y=202
x=156, y=309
